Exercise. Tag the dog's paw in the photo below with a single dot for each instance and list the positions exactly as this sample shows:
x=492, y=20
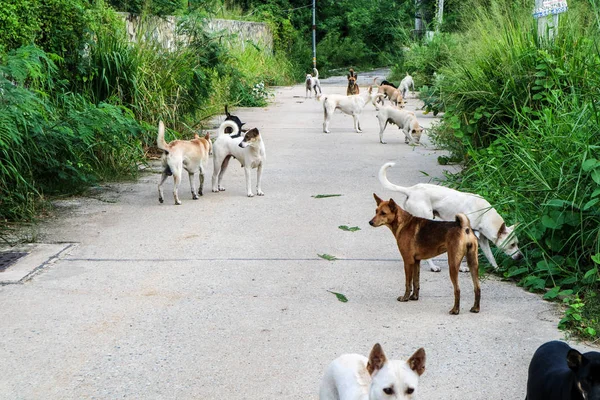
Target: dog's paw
x=221, y=189
x=160, y=200
x=403, y=298
x=413, y=297
x=463, y=268
x=382, y=142
x=454, y=311
x=195, y=197
x=178, y=203
x=260, y=193
x=250, y=194
x=474, y=309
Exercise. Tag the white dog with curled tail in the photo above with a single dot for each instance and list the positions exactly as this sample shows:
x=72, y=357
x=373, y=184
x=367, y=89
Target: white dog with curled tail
x=248, y=148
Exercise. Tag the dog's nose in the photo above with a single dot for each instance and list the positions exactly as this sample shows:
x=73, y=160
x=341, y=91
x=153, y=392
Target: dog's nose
x=371, y=223
x=518, y=256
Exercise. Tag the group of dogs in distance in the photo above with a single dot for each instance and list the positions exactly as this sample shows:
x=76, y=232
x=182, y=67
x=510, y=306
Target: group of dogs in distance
x=353, y=103
x=430, y=221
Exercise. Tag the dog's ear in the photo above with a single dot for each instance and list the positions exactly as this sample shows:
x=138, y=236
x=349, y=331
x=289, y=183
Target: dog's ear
x=574, y=359
x=502, y=229
x=196, y=136
x=207, y=136
x=416, y=362
x=376, y=359
x=377, y=199
x=392, y=205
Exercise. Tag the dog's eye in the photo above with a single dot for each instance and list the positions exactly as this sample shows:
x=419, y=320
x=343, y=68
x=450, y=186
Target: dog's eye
x=410, y=391
x=388, y=391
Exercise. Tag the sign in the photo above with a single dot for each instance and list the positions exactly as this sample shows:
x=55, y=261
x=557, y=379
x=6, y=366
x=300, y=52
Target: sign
x=550, y=7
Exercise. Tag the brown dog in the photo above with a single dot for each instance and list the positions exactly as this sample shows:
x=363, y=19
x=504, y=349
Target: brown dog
x=178, y=155
x=420, y=239
x=352, y=86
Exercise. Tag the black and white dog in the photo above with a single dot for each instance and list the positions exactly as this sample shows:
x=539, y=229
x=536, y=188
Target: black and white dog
x=234, y=118
x=559, y=372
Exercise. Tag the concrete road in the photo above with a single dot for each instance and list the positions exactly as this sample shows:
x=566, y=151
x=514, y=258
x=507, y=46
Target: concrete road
x=226, y=298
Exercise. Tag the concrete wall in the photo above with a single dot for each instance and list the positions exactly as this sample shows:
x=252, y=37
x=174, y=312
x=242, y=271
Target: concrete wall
x=236, y=33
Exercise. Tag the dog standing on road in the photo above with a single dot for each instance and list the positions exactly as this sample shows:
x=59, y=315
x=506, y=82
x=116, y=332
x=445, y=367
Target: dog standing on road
x=559, y=372
x=352, y=85
x=178, y=155
x=433, y=201
x=351, y=105
x=312, y=83
x=248, y=149
x=419, y=239
x=405, y=85
x=356, y=377
x=406, y=120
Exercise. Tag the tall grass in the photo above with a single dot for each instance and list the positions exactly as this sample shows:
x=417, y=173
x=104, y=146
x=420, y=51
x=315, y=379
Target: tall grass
x=523, y=116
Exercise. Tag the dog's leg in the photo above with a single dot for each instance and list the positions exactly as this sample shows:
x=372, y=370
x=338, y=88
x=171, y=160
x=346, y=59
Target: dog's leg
x=432, y=266
x=215, y=175
x=454, y=260
x=176, y=181
x=416, y=287
x=484, y=243
x=258, y=180
x=326, y=118
x=356, y=123
x=408, y=275
x=160, y=189
x=382, y=125
x=192, y=177
x=201, y=188
x=473, y=262
x=222, y=172
x=247, y=172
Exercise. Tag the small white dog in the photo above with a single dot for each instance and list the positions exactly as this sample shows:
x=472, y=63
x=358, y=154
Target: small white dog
x=406, y=120
x=178, y=155
x=356, y=377
x=248, y=149
x=432, y=201
x=312, y=83
x=351, y=105
x=406, y=84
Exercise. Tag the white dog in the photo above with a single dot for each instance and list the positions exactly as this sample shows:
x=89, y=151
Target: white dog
x=351, y=105
x=178, y=155
x=430, y=201
x=406, y=120
x=356, y=377
x=406, y=84
x=312, y=83
x=248, y=149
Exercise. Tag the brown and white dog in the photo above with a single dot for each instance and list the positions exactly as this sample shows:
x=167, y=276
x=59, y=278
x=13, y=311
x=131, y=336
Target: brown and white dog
x=393, y=94
x=420, y=239
x=351, y=105
x=312, y=83
x=356, y=377
x=352, y=85
x=406, y=120
x=178, y=155
x=430, y=201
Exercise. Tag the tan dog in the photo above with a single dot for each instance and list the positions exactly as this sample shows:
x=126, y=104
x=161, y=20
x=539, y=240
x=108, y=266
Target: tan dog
x=394, y=95
x=420, y=239
x=178, y=155
x=406, y=120
x=352, y=86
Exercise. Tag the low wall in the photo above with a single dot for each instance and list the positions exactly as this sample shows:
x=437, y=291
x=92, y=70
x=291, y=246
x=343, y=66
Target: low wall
x=162, y=30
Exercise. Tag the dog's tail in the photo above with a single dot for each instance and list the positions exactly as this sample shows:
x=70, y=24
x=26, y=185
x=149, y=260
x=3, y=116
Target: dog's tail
x=386, y=183
x=227, y=112
x=375, y=81
x=160, y=139
x=464, y=223
x=227, y=124
x=316, y=73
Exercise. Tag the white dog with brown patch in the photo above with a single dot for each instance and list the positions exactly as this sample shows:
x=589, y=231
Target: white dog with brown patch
x=356, y=377
x=351, y=105
x=178, y=155
x=248, y=149
x=439, y=202
x=406, y=120
x=312, y=83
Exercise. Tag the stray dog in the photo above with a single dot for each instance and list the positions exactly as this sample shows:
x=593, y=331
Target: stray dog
x=352, y=86
x=433, y=201
x=393, y=95
x=406, y=84
x=406, y=120
x=559, y=372
x=178, y=155
x=385, y=82
x=419, y=239
x=356, y=377
x=312, y=83
x=351, y=105
x=248, y=149
x=234, y=118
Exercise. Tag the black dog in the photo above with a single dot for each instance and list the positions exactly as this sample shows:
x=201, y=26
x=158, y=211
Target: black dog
x=559, y=372
x=384, y=82
x=235, y=119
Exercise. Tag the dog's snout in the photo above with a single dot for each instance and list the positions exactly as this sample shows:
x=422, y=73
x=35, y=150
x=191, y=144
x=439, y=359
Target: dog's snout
x=517, y=256
x=371, y=223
